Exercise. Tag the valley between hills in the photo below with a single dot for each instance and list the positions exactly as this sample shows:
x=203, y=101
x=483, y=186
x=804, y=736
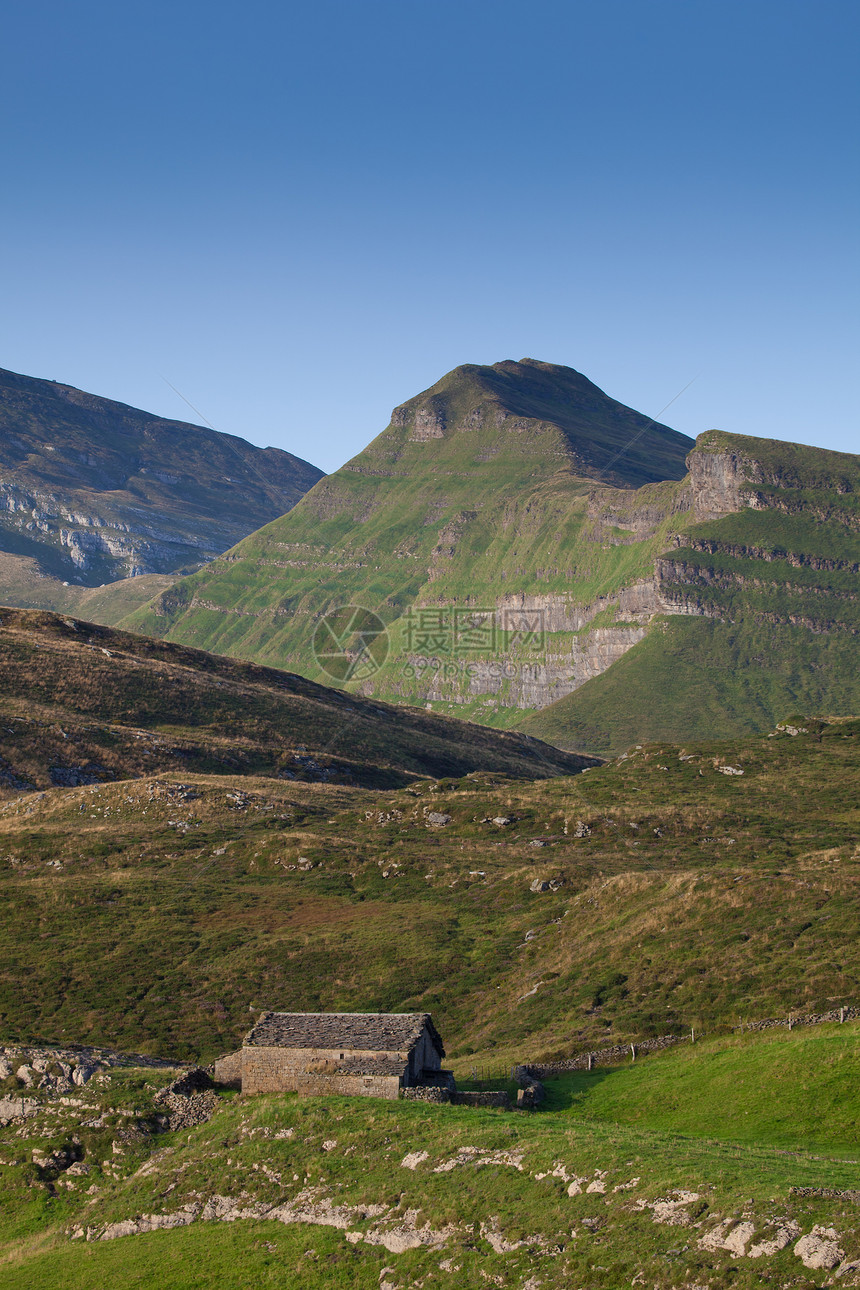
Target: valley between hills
x=645, y=830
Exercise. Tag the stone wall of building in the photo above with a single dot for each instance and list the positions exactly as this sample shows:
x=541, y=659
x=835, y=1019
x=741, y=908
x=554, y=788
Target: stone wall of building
x=228, y=1070
x=311, y=1071
x=424, y=1057
x=321, y=1085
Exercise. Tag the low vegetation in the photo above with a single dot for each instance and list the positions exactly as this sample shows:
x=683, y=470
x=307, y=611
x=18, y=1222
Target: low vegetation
x=84, y=704
x=678, y=886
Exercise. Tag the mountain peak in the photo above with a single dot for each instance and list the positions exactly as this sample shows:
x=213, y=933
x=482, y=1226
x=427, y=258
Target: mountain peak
x=603, y=439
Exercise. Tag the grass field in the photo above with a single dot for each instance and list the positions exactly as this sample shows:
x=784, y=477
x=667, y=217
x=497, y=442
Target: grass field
x=600, y=1188
x=799, y=1090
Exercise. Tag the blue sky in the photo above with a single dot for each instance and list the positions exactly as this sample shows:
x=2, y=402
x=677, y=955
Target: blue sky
x=300, y=216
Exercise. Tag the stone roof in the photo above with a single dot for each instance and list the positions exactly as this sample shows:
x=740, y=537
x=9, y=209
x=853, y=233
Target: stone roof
x=395, y=1032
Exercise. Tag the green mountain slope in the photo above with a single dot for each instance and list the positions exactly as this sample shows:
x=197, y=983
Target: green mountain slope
x=501, y=496
x=512, y=533
x=92, y=491
x=81, y=704
x=761, y=608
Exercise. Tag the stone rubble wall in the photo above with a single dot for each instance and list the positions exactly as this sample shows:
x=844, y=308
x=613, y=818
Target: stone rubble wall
x=189, y=1100
x=801, y=1019
x=426, y=1093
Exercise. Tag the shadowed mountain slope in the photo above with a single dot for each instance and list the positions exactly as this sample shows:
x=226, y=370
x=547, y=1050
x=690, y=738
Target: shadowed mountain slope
x=92, y=490
x=83, y=704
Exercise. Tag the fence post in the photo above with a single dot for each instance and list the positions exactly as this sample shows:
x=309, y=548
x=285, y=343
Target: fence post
x=692, y=1036
x=841, y=1015
x=589, y=1061
x=633, y=1051
x=790, y=1023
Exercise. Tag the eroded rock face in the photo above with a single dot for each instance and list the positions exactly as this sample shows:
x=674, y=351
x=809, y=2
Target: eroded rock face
x=721, y=483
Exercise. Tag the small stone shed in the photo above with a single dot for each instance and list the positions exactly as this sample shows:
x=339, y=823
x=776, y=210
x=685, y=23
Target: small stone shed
x=371, y=1054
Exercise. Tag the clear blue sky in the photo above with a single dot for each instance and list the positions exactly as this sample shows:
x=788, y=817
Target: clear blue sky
x=301, y=215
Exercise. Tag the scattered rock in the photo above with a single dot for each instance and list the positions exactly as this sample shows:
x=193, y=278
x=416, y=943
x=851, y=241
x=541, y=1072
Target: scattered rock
x=413, y=1159
x=783, y=1235
x=480, y=1156
x=820, y=1248
x=437, y=819
x=672, y=1209
x=493, y=1236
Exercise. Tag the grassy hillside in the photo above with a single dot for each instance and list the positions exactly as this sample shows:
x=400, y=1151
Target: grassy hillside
x=85, y=704
x=497, y=483
x=23, y=584
x=799, y=1090
x=367, y=1194
x=532, y=574
x=766, y=612
x=695, y=678
x=532, y=919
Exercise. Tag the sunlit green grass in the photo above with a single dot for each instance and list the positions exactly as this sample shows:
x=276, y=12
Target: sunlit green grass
x=796, y=1089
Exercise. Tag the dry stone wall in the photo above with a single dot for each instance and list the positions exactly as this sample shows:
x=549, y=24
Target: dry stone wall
x=599, y=1057
x=802, y=1019
x=620, y=1052
x=492, y=1097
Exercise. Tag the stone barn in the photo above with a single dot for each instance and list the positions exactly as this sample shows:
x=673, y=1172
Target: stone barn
x=371, y=1054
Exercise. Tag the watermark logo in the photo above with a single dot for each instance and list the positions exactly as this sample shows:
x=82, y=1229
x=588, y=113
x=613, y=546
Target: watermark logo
x=459, y=632
x=350, y=643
